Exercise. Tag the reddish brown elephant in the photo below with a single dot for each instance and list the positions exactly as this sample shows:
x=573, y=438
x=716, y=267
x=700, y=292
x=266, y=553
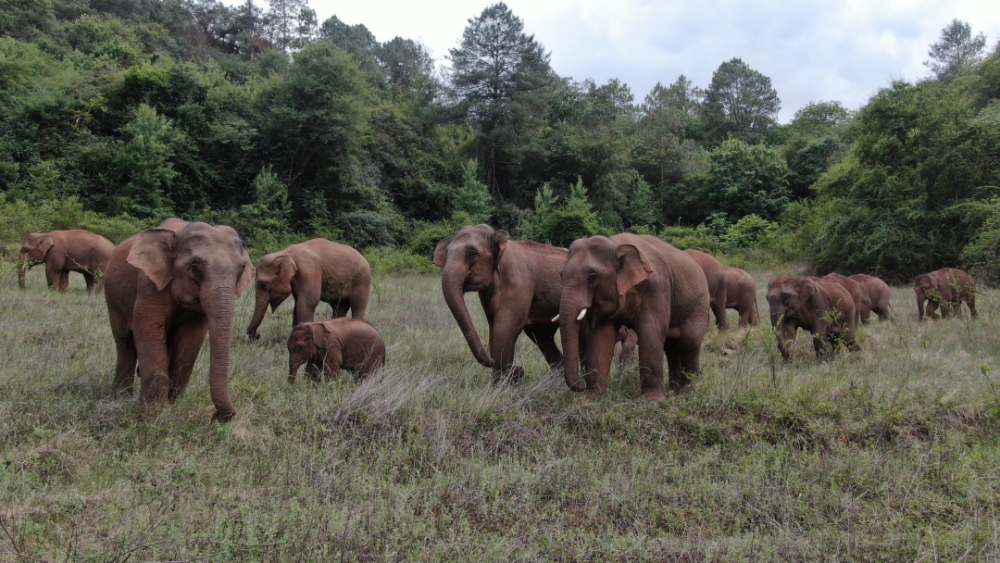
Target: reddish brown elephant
x=642, y=283
x=64, y=252
x=314, y=271
x=944, y=288
x=878, y=295
x=166, y=289
x=741, y=294
x=818, y=305
x=518, y=286
x=859, y=294
x=715, y=273
x=329, y=346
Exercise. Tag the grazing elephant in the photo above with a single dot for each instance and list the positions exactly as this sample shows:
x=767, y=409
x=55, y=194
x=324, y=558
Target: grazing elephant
x=642, y=283
x=946, y=288
x=741, y=294
x=715, y=273
x=818, y=305
x=64, y=252
x=878, y=295
x=630, y=341
x=165, y=289
x=862, y=303
x=315, y=270
x=328, y=346
x=518, y=285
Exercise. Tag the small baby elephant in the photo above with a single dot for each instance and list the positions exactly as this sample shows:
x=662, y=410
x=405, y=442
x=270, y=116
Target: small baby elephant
x=330, y=345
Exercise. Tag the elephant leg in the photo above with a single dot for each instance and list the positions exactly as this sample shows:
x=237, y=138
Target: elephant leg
x=305, y=310
x=971, y=302
x=331, y=367
x=64, y=280
x=945, y=309
x=127, y=358
x=683, y=361
x=313, y=370
x=719, y=310
x=340, y=308
x=545, y=338
x=600, y=351
x=786, y=339
x=90, y=280
x=185, y=342
x=821, y=345
x=931, y=308
x=503, y=338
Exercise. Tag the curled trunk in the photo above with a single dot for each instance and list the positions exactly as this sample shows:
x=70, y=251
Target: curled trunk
x=454, y=296
x=219, y=311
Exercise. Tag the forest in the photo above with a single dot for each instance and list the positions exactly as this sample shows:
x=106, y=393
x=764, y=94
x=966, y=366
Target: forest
x=119, y=113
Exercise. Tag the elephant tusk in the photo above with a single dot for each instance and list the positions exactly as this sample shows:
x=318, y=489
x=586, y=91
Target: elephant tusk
x=583, y=313
x=555, y=319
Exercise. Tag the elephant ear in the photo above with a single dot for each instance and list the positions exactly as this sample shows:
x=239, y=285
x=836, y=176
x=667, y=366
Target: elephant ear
x=633, y=267
x=318, y=334
x=807, y=289
x=247, y=276
x=45, y=244
x=153, y=254
x=441, y=251
x=500, y=240
x=284, y=267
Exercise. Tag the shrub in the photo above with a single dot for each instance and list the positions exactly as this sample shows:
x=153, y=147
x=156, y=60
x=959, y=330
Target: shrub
x=699, y=238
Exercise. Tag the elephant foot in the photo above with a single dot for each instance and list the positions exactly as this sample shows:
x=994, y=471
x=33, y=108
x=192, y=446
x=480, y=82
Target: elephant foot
x=513, y=376
x=654, y=395
x=223, y=416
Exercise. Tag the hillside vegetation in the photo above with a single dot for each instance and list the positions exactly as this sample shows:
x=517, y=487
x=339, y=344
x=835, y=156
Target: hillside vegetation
x=887, y=454
x=285, y=127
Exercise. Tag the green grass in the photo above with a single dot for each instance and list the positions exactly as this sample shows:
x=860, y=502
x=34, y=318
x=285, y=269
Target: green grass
x=888, y=454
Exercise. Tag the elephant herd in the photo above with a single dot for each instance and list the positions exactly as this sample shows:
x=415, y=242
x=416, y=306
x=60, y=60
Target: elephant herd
x=169, y=287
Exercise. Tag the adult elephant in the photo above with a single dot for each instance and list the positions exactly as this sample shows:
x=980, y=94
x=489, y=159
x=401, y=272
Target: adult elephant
x=859, y=294
x=518, y=286
x=64, y=252
x=944, y=288
x=166, y=288
x=878, y=295
x=642, y=283
x=313, y=271
x=715, y=273
x=741, y=294
x=818, y=305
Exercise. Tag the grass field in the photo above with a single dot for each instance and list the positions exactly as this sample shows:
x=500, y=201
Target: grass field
x=888, y=454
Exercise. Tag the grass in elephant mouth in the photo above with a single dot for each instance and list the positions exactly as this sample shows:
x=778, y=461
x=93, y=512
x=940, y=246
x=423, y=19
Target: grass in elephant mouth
x=890, y=453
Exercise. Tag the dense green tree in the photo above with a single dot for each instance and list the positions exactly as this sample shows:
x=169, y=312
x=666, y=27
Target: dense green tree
x=497, y=72
x=291, y=23
x=957, y=49
x=740, y=103
x=818, y=137
x=741, y=179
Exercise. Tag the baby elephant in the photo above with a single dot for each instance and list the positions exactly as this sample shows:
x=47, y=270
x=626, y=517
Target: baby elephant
x=330, y=345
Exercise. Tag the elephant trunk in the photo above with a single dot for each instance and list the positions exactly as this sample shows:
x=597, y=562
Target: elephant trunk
x=294, y=364
x=454, y=296
x=220, y=310
x=22, y=268
x=260, y=309
x=569, y=329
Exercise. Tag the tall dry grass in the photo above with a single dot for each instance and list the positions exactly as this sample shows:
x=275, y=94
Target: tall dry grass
x=887, y=454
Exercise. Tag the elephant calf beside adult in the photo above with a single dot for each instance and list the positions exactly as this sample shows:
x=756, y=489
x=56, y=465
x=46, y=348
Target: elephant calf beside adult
x=313, y=271
x=166, y=288
x=741, y=294
x=639, y=282
x=518, y=286
x=327, y=347
x=64, y=252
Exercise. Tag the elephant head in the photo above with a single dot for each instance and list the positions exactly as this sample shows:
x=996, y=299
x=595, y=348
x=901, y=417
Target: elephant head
x=205, y=268
x=304, y=344
x=469, y=260
x=595, y=280
x=275, y=274
x=33, y=251
x=787, y=297
x=927, y=288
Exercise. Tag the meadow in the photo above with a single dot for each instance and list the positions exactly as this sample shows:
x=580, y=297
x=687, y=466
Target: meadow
x=891, y=453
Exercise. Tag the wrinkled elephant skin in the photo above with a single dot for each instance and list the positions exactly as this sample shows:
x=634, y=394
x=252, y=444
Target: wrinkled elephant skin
x=166, y=288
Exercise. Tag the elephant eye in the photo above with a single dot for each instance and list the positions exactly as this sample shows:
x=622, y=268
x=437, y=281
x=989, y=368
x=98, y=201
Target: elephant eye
x=197, y=268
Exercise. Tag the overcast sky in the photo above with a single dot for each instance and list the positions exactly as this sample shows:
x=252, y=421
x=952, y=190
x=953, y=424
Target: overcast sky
x=812, y=50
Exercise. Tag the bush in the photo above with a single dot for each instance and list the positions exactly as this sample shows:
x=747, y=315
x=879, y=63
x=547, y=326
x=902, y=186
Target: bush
x=388, y=261
x=699, y=238
x=426, y=236
x=747, y=233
